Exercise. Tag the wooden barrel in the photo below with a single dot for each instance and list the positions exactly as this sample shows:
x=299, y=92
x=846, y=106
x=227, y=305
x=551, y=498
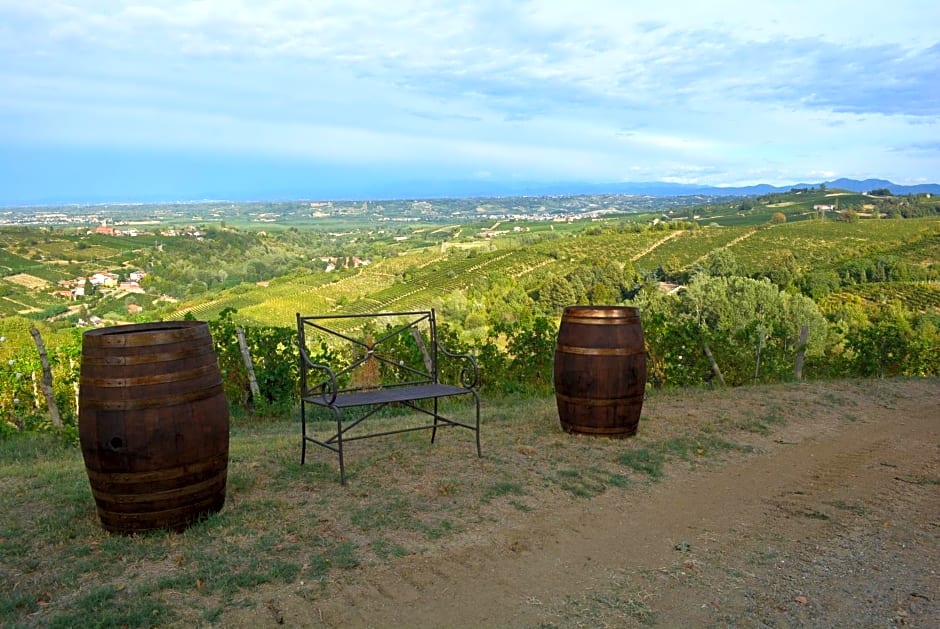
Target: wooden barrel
x=153, y=424
x=600, y=370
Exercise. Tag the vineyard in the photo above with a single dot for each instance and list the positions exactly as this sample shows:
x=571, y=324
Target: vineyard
x=691, y=247
x=423, y=276
x=922, y=297
x=10, y=263
x=400, y=283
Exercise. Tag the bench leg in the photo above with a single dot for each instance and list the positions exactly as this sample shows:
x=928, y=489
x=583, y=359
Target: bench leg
x=339, y=445
x=303, y=432
x=476, y=398
x=434, y=429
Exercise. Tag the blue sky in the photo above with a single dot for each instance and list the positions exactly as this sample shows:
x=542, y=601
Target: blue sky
x=163, y=100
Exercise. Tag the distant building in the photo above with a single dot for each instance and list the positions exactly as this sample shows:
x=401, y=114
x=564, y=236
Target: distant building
x=130, y=287
x=108, y=280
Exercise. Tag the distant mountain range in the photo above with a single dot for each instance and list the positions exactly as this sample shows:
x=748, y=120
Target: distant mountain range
x=469, y=189
x=375, y=189
x=853, y=185
x=663, y=189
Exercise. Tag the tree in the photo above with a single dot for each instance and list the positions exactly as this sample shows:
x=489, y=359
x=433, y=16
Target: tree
x=722, y=263
x=784, y=269
x=745, y=321
x=556, y=293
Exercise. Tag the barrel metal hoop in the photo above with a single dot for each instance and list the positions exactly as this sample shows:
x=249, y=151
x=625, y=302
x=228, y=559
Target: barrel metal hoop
x=158, y=496
x=617, y=401
x=111, y=359
x=123, y=337
x=218, y=461
x=608, y=321
x=175, y=399
x=150, y=520
x=599, y=351
x=141, y=381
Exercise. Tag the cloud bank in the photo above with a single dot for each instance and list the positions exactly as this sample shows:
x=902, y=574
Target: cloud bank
x=595, y=91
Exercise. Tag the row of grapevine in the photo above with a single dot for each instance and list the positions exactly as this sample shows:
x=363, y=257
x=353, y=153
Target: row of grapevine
x=923, y=297
x=821, y=243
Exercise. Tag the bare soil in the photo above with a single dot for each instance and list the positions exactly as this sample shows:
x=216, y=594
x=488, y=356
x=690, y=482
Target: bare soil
x=832, y=520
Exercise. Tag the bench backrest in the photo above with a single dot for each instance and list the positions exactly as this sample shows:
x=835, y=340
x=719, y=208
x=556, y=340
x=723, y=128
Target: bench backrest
x=370, y=351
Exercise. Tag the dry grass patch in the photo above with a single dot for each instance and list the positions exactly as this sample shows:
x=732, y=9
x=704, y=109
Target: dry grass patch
x=28, y=281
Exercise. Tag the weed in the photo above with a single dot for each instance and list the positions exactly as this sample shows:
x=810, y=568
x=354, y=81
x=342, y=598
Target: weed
x=108, y=607
x=438, y=530
x=588, y=482
x=384, y=549
x=213, y=615
x=15, y=605
x=594, y=609
x=503, y=488
x=343, y=555
x=761, y=425
x=645, y=461
x=393, y=512
x=521, y=506
x=651, y=459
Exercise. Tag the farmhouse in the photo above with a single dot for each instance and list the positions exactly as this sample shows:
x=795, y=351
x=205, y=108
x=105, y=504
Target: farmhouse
x=108, y=280
x=130, y=287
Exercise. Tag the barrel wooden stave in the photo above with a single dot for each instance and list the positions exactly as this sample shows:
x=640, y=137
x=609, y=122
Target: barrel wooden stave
x=600, y=370
x=153, y=424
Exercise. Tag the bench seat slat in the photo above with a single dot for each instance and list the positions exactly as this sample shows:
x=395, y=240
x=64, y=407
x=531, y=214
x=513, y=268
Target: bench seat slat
x=390, y=394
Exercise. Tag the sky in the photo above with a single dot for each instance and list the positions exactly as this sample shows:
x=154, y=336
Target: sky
x=105, y=101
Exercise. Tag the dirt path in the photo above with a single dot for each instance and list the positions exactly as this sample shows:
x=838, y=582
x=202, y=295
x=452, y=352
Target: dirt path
x=829, y=523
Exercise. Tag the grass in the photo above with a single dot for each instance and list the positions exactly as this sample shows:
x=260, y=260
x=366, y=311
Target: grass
x=652, y=459
x=287, y=525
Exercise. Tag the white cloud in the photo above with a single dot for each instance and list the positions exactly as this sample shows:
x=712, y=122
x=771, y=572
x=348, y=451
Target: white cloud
x=711, y=91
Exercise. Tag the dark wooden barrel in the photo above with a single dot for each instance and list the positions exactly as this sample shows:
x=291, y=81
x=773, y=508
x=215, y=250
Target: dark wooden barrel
x=153, y=424
x=600, y=370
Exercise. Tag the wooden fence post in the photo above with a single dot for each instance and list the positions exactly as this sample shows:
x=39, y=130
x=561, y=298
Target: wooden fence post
x=711, y=361
x=801, y=352
x=246, y=357
x=46, y=382
x=761, y=337
x=428, y=364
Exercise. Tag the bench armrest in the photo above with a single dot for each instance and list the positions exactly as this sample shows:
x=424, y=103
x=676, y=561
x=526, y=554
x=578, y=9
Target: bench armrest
x=326, y=387
x=469, y=372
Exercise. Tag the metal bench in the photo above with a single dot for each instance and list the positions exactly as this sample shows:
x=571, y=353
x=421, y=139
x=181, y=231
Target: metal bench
x=366, y=362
